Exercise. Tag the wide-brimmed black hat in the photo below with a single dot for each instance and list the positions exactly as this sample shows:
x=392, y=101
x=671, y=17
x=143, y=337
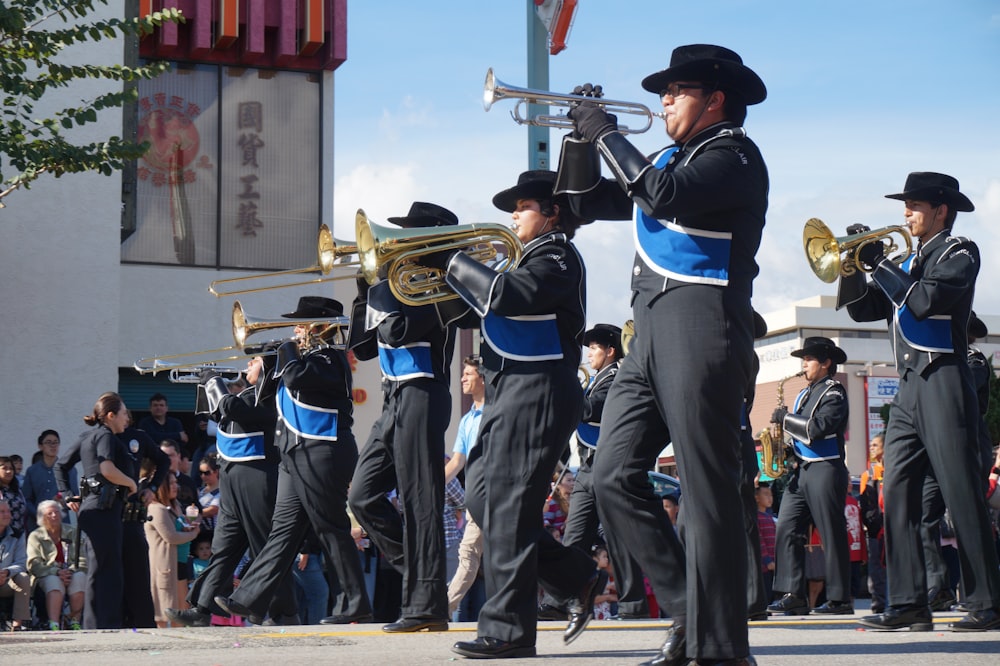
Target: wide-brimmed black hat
x=536, y=184
x=608, y=335
x=759, y=326
x=821, y=348
x=316, y=307
x=711, y=65
x=977, y=327
x=424, y=214
x=936, y=188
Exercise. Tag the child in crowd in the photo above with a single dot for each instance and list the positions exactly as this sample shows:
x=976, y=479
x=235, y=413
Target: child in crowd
x=202, y=553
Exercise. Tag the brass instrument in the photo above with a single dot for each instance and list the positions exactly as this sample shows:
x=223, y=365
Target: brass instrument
x=584, y=374
x=628, y=334
x=330, y=252
x=824, y=250
x=243, y=327
x=398, y=251
x=494, y=90
x=773, y=451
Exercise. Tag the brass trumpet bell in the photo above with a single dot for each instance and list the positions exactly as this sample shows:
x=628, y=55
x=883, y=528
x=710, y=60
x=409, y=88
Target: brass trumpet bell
x=495, y=90
x=331, y=253
x=396, y=252
x=244, y=326
x=831, y=256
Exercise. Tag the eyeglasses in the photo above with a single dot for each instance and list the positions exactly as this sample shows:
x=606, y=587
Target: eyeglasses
x=50, y=443
x=204, y=472
x=675, y=90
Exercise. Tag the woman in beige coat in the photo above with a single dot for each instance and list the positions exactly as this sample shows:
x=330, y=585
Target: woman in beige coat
x=165, y=529
x=54, y=566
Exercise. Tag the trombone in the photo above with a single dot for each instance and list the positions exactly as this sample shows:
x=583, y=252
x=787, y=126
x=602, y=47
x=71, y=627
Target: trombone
x=831, y=256
x=495, y=90
x=243, y=327
x=330, y=253
x=398, y=251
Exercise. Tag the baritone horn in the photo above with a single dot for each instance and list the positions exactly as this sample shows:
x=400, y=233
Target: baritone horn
x=832, y=256
x=495, y=90
x=398, y=251
x=330, y=253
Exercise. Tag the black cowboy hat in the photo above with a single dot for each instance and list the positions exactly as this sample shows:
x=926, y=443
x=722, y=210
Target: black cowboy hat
x=977, y=327
x=608, y=335
x=936, y=188
x=821, y=348
x=424, y=214
x=536, y=184
x=316, y=307
x=709, y=64
x=759, y=326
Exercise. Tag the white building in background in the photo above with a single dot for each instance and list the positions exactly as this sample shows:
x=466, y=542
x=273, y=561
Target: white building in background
x=97, y=272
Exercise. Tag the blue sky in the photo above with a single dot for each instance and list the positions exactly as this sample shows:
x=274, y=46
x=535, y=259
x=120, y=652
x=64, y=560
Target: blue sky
x=859, y=94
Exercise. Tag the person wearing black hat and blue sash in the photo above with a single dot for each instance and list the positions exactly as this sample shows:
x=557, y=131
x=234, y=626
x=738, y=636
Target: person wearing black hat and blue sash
x=697, y=209
x=248, y=481
x=934, y=424
x=817, y=490
x=414, y=346
x=532, y=321
x=318, y=454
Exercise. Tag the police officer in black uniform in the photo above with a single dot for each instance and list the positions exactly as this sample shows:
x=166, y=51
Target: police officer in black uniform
x=698, y=208
x=104, y=486
x=138, y=602
x=318, y=455
x=532, y=321
x=934, y=429
x=414, y=345
x=248, y=482
x=817, y=489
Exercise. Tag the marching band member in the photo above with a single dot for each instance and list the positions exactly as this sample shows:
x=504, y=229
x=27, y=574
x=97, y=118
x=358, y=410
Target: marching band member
x=698, y=211
x=934, y=429
x=532, y=322
x=404, y=451
x=318, y=455
x=817, y=490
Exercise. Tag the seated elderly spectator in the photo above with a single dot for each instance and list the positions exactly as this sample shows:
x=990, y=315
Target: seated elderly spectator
x=13, y=572
x=53, y=565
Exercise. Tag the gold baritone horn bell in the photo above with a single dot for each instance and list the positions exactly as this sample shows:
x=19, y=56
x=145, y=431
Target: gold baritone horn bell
x=831, y=256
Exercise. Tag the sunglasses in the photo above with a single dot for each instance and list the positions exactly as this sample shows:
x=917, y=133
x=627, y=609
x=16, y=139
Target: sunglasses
x=204, y=472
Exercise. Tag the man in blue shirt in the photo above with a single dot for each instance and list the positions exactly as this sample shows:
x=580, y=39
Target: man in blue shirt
x=40, y=478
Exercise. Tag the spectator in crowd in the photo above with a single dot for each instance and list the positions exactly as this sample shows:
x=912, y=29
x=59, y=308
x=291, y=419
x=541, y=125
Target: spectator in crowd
x=14, y=581
x=871, y=515
x=55, y=565
x=557, y=504
x=201, y=555
x=164, y=534
x=815, y=567
x=454, y=505
x=856, y=544
x=209, y=496
x=766, y=528
x=187, y=489
x=18, y=463
x=606, y=601
x=312, y=591
x=40, y=479
x=671, y=504
x=158, y=425
x=10, y=490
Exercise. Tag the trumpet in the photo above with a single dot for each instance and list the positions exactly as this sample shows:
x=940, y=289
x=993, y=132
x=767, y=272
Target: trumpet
x=495, y=90
x=831, y=256
x=397, y=251
x=330, y=252
x=243, y=326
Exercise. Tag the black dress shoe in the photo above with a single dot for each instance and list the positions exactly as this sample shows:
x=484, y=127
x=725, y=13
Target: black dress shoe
x=407, y=625
x=758, y=617
x=485, y=647
x=236, y=608
x=960, y=607
x=190, y=617
x=834, y=608
x=941, y=601
x=550, y=612
x=282, y=621
x=790, y=604
x=347, y=619
x=742, y=661
x=673, y=652
x=980, y=620
x=581, y=609
x=914, y=618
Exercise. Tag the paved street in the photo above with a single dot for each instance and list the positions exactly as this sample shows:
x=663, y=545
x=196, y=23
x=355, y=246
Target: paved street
x=781, y=643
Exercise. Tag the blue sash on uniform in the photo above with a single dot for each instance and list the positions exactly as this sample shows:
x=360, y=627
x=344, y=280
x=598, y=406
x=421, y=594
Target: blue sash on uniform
x=239, y=447
x=523, y=338
x=827, y=448
x=678, y=252
x=587, y=433
x=406, y=362
x=306, y=420
x=933, y=334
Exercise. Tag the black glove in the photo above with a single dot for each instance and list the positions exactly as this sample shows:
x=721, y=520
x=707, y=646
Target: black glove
x=215, y=390
x=206, y=374
x=362, y=287
x=438, y=260
x=287, y=352
x=871, y=254
x=591, y=121
x=857, y=229
x=778, y=415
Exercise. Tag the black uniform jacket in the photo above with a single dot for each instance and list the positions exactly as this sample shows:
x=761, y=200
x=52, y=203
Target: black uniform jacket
x=321, y=378
x=250, y=411
x=597, y=393
x=944, y=280
x=819, y=418
x=140, y=446
x=92, y=448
